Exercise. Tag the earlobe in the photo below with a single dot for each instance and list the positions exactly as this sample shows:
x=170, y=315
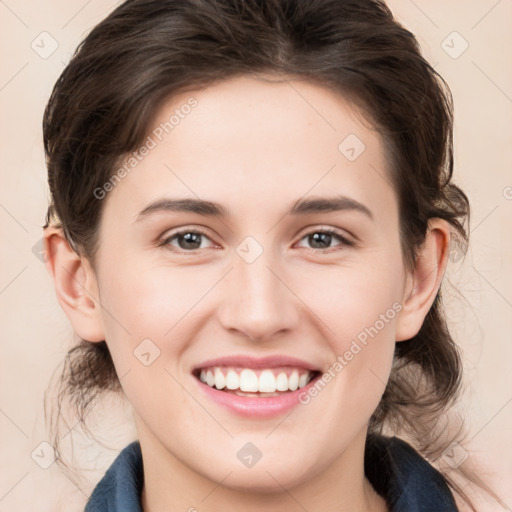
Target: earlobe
x=75, y=285
x=424, y=281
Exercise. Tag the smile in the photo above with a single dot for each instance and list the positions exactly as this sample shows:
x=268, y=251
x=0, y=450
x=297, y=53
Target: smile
x=255, y=387
x=246, y=381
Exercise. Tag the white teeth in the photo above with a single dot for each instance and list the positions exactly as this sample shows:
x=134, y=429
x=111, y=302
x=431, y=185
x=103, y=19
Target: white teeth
x=232, y=380
x=293, y=381
x=267, y=382
x=303, y=380
x=282, y=382
x=220, y=381
x=248, y=381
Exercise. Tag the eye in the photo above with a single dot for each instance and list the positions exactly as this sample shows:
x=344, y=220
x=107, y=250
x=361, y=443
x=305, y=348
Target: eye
x=190, y=240
x=187, y=240
x=322, y=238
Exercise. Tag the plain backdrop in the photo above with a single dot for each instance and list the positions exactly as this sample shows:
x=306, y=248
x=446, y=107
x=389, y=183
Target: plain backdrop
x=468, y=43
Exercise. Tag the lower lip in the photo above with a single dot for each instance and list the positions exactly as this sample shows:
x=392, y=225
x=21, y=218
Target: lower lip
x=260, y=407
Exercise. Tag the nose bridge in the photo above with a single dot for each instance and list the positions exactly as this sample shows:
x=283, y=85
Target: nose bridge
x=256, y=301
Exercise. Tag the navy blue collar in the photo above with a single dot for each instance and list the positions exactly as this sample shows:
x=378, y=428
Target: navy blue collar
x=396, y=471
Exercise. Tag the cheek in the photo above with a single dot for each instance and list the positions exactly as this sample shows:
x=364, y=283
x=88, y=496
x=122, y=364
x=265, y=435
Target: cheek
x=356, y=309
x=137, y=311
x=354, y=301
x=149, y=300
x=151, y=309
x=142, y=312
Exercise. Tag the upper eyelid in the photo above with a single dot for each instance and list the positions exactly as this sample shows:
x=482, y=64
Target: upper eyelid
x=323, y=228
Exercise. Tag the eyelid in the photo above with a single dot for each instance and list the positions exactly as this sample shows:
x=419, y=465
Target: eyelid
x=344, y=239
x=163, y=239
x=315, y=228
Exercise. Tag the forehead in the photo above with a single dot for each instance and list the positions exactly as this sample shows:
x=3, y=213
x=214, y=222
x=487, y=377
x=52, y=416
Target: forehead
x=254, y=142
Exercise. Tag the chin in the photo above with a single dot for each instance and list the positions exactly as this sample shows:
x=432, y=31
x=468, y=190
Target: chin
x=262, y=481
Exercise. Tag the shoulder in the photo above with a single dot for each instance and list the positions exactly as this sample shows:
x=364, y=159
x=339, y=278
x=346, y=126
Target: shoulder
x=404, y=478
x=120, y=489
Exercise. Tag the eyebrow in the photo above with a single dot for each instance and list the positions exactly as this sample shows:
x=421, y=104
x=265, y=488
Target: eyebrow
x=212, y=209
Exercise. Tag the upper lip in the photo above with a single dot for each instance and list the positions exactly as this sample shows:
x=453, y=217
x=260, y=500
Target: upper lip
x=257, y=362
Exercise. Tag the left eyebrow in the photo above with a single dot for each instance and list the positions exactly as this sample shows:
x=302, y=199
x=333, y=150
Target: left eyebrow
x=329, y=204
x=212, y=209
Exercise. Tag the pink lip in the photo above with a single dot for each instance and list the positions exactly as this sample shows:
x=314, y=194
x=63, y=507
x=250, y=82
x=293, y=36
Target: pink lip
x=255, y=407
x=255, y=363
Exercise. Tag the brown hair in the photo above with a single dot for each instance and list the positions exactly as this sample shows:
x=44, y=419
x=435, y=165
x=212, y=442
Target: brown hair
x=148, y=50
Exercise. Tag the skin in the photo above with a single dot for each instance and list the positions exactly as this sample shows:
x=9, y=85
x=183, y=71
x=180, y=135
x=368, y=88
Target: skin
x=256, y=147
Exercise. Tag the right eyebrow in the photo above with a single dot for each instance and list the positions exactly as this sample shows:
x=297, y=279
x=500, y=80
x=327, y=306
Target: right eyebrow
x=199, y=206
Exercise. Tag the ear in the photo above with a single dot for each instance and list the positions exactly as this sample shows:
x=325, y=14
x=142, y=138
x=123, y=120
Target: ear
x=424, y=281
x=75, y=284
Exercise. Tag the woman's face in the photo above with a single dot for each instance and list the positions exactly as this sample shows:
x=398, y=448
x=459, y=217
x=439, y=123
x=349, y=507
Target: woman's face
x=258, y=293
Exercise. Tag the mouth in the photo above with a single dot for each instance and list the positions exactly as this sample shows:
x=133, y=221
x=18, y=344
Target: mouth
x=256, y=387
x=252, y=382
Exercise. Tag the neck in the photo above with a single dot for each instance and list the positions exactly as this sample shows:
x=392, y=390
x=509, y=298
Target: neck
x=169, y=484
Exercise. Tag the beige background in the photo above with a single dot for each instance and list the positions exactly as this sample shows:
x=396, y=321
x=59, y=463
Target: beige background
x=35, y=333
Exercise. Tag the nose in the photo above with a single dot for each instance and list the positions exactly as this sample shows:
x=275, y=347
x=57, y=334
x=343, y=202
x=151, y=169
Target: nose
x=257, y=301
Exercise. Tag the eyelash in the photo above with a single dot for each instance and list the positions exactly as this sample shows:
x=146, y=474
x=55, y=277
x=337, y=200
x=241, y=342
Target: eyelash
x=342, y=239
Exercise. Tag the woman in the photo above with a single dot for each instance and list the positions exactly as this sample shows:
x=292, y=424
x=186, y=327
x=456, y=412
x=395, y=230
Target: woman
x=250, y=222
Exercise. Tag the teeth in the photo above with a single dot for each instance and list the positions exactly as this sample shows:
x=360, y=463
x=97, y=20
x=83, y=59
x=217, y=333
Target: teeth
x=303, y=380
x=232, y=380
x=282, y=382
x=248, y=381
x=220, y=381
x=267, y=382
x=293, y=381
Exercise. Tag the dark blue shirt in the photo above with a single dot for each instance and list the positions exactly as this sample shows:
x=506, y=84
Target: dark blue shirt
x=396, y=471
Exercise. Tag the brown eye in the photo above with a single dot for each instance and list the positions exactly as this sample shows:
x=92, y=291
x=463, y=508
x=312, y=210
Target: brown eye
x=322, y=239
x=186, y=240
